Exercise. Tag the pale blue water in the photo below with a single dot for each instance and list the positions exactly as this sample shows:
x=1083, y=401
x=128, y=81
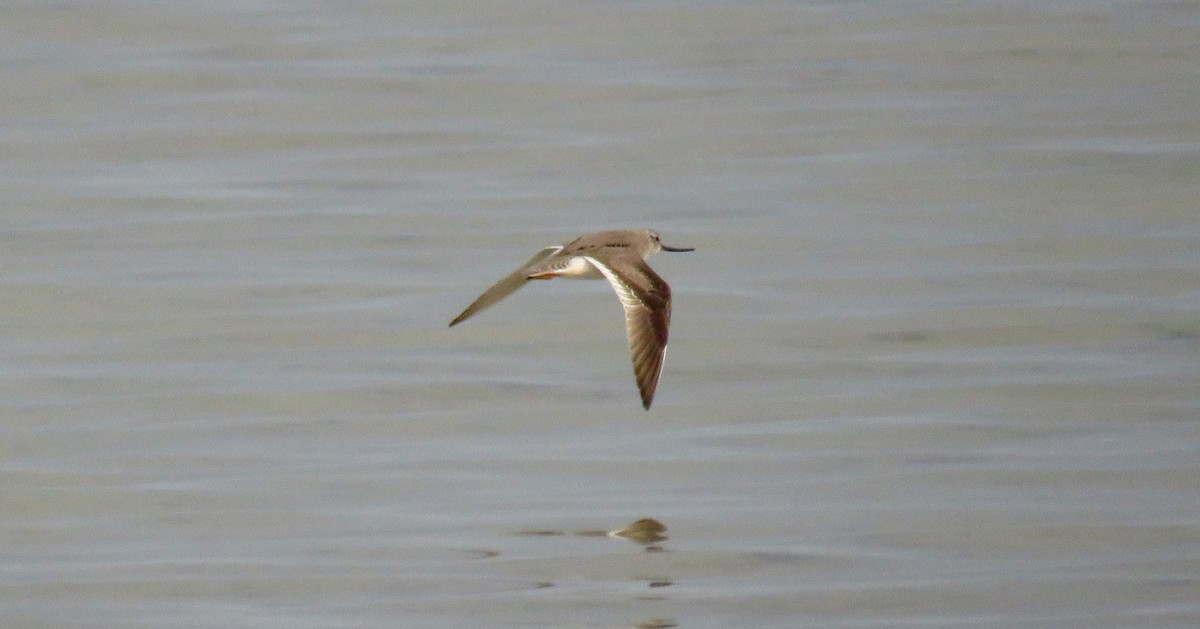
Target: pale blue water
x=934, y=362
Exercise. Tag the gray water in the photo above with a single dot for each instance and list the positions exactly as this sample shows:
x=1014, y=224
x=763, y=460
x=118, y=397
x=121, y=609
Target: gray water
x=934, y=363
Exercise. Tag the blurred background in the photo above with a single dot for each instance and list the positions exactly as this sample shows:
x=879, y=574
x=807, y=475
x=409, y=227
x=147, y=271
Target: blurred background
x=935, y=361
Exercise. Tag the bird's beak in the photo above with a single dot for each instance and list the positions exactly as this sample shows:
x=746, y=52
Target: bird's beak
x=677, y=249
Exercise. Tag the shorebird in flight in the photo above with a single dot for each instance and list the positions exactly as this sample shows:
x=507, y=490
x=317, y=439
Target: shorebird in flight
x=618, y=256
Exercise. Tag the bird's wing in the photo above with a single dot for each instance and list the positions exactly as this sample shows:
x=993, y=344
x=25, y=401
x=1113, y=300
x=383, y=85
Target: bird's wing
x=647, y=301
x=505, y=287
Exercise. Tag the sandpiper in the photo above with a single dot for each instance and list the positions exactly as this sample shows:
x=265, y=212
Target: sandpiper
x=618, y=256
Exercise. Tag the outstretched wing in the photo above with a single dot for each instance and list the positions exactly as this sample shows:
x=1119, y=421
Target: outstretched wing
x=647, y=301
x=505, y=287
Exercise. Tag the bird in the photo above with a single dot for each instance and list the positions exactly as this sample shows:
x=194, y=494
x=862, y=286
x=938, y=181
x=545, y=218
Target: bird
x=618, y=256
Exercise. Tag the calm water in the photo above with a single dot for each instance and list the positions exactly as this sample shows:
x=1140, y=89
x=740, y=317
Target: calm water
x=935, y=361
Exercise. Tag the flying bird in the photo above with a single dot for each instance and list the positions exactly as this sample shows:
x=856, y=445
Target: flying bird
x=618, y=256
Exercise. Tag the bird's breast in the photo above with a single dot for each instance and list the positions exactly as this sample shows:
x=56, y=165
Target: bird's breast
x=578, y=268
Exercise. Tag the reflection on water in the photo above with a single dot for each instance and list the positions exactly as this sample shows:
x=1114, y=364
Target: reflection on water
x=644, y=531
x=933, y=362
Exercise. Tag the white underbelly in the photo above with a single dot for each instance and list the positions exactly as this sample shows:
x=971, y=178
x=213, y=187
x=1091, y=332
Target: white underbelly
x=580, y=269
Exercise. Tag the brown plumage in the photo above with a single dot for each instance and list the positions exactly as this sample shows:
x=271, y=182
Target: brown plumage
x=618, y=256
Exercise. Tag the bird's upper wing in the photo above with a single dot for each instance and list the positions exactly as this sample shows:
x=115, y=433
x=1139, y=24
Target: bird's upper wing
x=505, y=287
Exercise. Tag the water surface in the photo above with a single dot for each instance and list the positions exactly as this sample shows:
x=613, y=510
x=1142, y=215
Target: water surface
x=934, y=362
